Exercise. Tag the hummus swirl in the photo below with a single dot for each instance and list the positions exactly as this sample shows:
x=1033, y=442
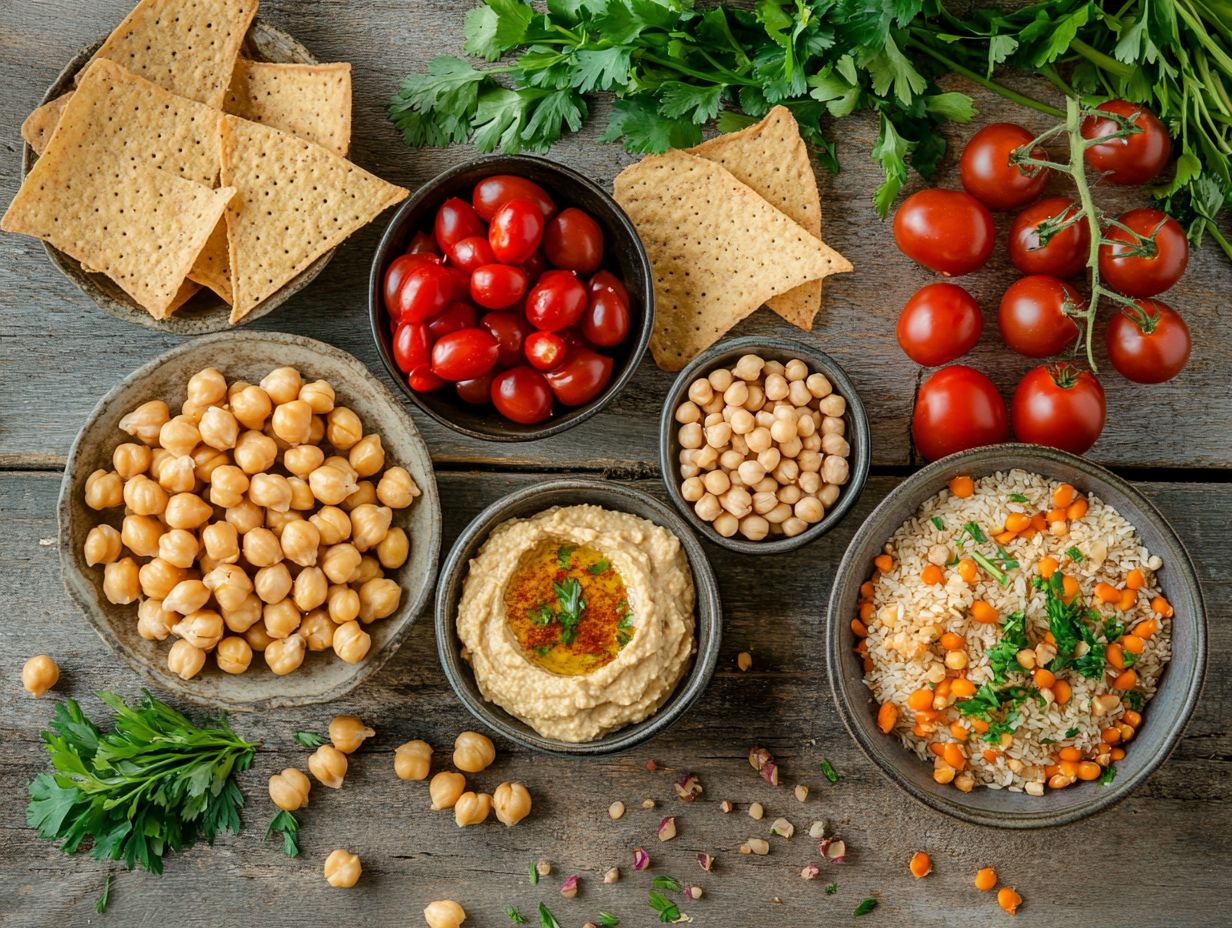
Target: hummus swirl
x=622, y=691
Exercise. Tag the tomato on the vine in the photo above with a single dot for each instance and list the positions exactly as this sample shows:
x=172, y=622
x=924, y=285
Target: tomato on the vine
x=557, y=300
x=522, y=394
x=581, y=377
x=455, y=220
x=955, y=409
x=940, y=322
x=491, y=193
x=991, y=177
x=1134, y=158
x=949, y=231
x=1059, y=405
x=496, y=286
x=574, y=241
x=516, y=231
x=544, y=350
x=1036, y=315
x=423, y=292
x=464, y=354
x=1060, y=248
x=1148, y=346
x=1147, y=266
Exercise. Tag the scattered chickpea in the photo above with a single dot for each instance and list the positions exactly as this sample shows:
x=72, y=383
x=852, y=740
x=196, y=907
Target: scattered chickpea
x=744, y=661
x=444, y=913
x=473, y=752
x=327, y=764
x=511, y=802
x=471, y=809
x=39, y=674
x=445, y=788
x=289, y=790
x=413, y=760
x=347, y=733
x=342, y=869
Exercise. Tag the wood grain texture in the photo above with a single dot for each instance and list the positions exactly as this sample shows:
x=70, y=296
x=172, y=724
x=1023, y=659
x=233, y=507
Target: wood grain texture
x=55, y=344
x=1159, y=858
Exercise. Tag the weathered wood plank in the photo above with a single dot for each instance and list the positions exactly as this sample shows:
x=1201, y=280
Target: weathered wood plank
x=1155, y=859
x=58, y=353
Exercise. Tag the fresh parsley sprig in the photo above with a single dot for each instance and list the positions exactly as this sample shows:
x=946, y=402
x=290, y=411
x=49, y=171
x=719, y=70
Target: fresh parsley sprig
x=286, y=823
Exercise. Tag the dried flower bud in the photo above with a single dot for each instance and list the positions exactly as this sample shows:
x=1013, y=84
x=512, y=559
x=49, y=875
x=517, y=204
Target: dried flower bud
x=667, y=828
x=810, y=872
x=641, y=860
x=770, y=773
x=569, y=888
x=834, y=850
x=543, y=867
x=759, y=757
x=705, y=861
x=801, y=792
x=692, y=892
x=782, y=828
x=726, y=806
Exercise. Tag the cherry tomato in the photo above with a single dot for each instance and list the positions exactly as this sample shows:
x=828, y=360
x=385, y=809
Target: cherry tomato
x=957, y=408
x=453, y=317
x=1061, y=406
x=422, y=243
x=456, y=220
x=422, y=380
x=1064, y=253
x=522, y=394
x=606, y=280
x=476, y=391
x=472, y=253
x=940, y=322
x=1133, y=159
x=581, y=378
x=544, y=350
x=572, y=338
x=464, y=354
x=574, y=241
x=949, y=231
x=535, y=265
x=493, y=192
x=606, y=320
x=557, y=300
x=424, y=292
x=495, y=286
x=510, y=330
x=516, y=231
x=1035, y=316
x=988, y=175
x=1144, y=268
x=398, y=268
x=1151, y=347
x=412, y=346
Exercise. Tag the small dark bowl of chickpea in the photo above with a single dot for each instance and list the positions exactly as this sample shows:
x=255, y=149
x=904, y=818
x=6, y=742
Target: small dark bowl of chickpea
x=763, y=444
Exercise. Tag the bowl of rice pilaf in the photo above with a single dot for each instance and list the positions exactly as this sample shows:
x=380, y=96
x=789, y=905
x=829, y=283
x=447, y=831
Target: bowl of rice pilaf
x=1016, y=636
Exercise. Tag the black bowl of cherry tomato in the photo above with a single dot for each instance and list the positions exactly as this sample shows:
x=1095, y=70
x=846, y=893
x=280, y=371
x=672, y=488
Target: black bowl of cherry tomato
x=511, y=298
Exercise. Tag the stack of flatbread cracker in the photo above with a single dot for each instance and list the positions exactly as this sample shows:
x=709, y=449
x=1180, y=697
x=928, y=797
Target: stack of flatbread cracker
x=729, y=225
x=174, y=163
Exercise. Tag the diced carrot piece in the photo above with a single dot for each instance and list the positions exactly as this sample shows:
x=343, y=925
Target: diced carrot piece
x=1076, y=510
x=1129, y=599
x=1070, y=587
x=962, y=486
x=920, y=699
x=1054, y=515
x=986, y=879
x=959, y=732
x=1126, y=680
x=866, y=589
x=931, y=575
x=1048, y=566
x=1017, y=521
x=982, y=612
x=954, y=755
x=962, y=688
x=952, y=641
x=1161, y=606
x=1062, y=691
x=1132, y=643
x=1004, y=538
x=883, y=563
x=1063, y=495
x=1070, y=753
x=1115, y=656
x=921, y=865
x=859, y=629
x=979, y=725
x=990, y=755
x=1110, y=735
x=1043, y=677
x=1135, y=579
x=1107, y=593
x=967, y=569
x=1146, y=628
x=866, y=611
x=1038, y=522
x=1117, y=753
x=887, y=715
x=1089, y=770
x=1132, y=718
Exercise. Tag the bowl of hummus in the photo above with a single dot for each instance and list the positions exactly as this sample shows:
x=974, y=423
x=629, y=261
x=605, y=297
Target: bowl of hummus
x=577, y=617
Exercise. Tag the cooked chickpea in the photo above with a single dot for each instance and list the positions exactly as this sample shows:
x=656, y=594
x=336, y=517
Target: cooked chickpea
x=179, y=435
x=251, y=406
x=233, y=655
x=104, y=490
x=186, y=596
x=343, y=428
x=413, y=760
x=809, y=509
x=120, y=583
x=302, y=460
x=364, y=495
x=310, y=588
x=228, y=484
x=369, y=525
x=472, y=809
x=333, y=524
x=184, y=660
x=284, y=655
x=302, y=499
x=393, y=549
x=835, y=470
x=153, y=621
x=277, y=522
x=219, y=428
x=282, y=384
x=39, y=674
x=445, y=788
x=301, y=541
x=130, y=459
x=444, y=913
x=102, y=546
x=473, y=752
x=367, y=455
x=378, y=599
x=369, y=569
x=158, y=577
x=342, y=869
x=281, y=618
x=351, y=643
x=340, y=562
x=343, y=604
x=179, y=547
x=261, y=548
x=202, y=629
x=245, y=516
x=255, y=452
x=289, y=790
x=347, y=733
x=272, y=584
x=256, y=635
x=331, y=484
x=317, y=630
x=754, y=527
x=319, y=395
x=511, y=802
x=187, y=510
x=247, y=613
x=146, y=421
x=327, y=764
x=177, y=474
x=221, y=542
x=271, y=491
x=206, y=386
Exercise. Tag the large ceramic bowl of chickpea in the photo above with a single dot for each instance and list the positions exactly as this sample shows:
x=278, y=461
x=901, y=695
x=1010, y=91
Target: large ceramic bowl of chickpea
x=250, y=521
x=763, y=444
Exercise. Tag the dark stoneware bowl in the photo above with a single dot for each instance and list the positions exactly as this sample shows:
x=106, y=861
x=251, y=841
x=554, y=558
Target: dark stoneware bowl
x=525, y=503
x=1165, y=715
x=623, y=256
x=725, y=354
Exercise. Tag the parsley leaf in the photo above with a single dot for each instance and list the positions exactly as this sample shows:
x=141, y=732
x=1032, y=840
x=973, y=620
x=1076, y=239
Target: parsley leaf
x=1018, y=498
x=608, y=920
x=601, y=566
x=1003, y=656
x=288, y=824
x=569, y=598
x=671, y=884
x=831, y=889
x=645, y=130
x=563, y=555
x=865, y=906
x=104, y=897
x=668, y=911
x=546, y=918
x=515, y=916
x=827, y=768
x=1108, y=775
x=308, y=739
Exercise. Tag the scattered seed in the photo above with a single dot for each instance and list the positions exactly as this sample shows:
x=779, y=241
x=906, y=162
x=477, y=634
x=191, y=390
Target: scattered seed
x=693, y=892
x=834, y=850
x=801, y=792
x=648, y=803
x=688, y=787
x=641, y=860
x=782, y=828
x=612, y=875
x=756, y=811
x=705, y=861
x=810, y=872
x=569, y=888
x=543, y=867
x=770, y=773
x=744, y=660
x=758, y=846
x=726, y=806
x=775, y=900
x=817, y=829
x=921, y=865
x=616, y=810
x=759, y=757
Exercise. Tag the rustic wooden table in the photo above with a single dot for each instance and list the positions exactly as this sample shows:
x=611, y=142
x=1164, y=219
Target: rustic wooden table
x=1160, y=858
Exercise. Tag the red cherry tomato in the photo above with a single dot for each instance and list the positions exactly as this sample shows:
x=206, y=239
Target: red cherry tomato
x=398, y=268
x=412, y=346
x=522, y=394
x=510, y=330
x=957, y=408
x=1035, y=316
x=544, y=350
x=422, y=380
x=516, y=231
x=476, y=391
x=606, y=320
x=1151, y=347
x=424, y=292
x=990, y=177
x=493, y=192
x=949, y=231
x=1061, y=406
x=557, y=300
x=455, y=220
x=606, y=280
x=1064, y=253
x=572, y=338
x=464, y=354
x=581, y=378
x=422, y=243
x=1144, y=268
x=940, y=322
x=495, y=286
x=453, y=317
x=574, y=241
x=535, y=265
x=472, y=253
x=1135, y=158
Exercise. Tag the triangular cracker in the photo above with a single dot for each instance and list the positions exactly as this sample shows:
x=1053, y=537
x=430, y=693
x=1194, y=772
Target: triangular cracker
x=213, y=266
x=40, y=124
x=718, y=251
x=294, y=202
x=312, y=101
x=771, y=157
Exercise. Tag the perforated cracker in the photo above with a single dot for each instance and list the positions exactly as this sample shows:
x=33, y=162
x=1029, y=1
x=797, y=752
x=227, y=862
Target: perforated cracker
x=771, y=157
x=312, y=101
x=294, y=201
x=40, y=124
x=213, y=266
x=718, y=251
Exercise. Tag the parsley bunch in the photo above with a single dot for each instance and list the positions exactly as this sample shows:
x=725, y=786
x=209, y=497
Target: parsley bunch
x=672, y=68
x=154, y=783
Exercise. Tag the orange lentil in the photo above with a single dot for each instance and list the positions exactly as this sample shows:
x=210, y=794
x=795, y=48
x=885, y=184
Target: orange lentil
x=1088, y=770
x=1076, y=510
x=1117, y=753
x=920, y=700
x=1063, y=495
x=936, y=747
x=1135, y=579
x=931, y=575
x=887, y=715
x=1126, y=680
x=962, y=486
x=986, y=879
x=990, y=755
x=1115, y=656
x=982, y=612
x=1038, y=522
x=967, y=569
x=1132, y=643
x=979, y=725
x=921, y=865
x=1110, y=736
x=1132, y=718
x=1004, y=538
x=1161, y=606
x=954, y=755
x=859, y=628
x=958, y=731
x=1048, y=566
x=1146, y=628
x=883, y=562
x=1043, y=678
x=1070, y=586
x=1107, y=593
x=1054, y=515
x=1068, y=768
x=866, y=611
x=952, y=641
x=1070, y=753
x=1062, y=691
x=962, y=688
x=866, y=589
x=1008, y=900
x=1017, y=521
x=1129, y=599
